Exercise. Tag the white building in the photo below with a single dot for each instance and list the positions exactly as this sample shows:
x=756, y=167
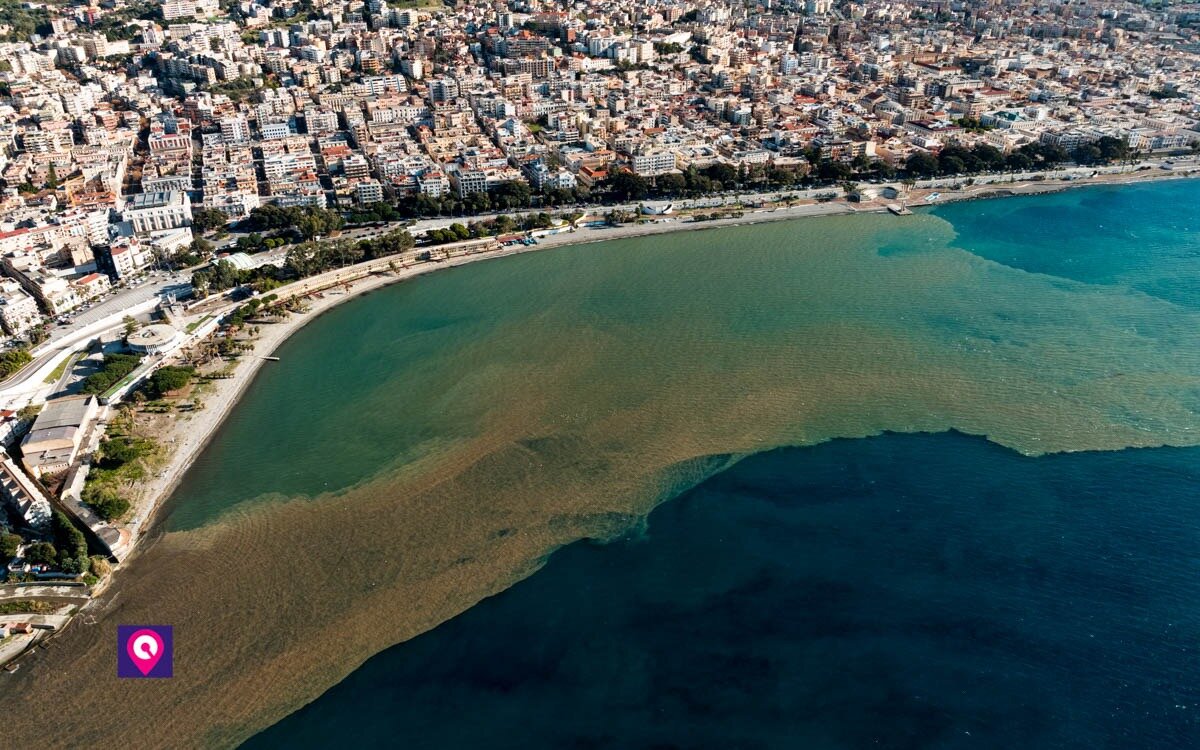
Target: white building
x=92, y=285
x=471, y=181
x=320, y=121
x=368, y=192
x=654, y=163
x=148, y=212
x=275, y=130
x=235, y=129
x=57, y=434
x=433, y=183
x=126, y=260
x=18, y=311
x=23, y=495
x=176, y=9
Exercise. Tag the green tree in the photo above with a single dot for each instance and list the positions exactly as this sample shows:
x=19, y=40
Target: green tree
x=205, y=220
x=671, y=184
x=834, y=170
x=922, y=164
x=629, y=186
x=8, y=546
x=23, y=21
x=170, y=378
x=71, y=544
x=512, y=194
x=1018, y=161
x=616, y=218
x=781, y=177
x=113, y=369
x=722, y=173
x=41, y=553
x=1088, y=153
x=988, y=157
x=118, y=451
x=107, y=503
x=951, y=165
x=1112, y=149
x=13, y=360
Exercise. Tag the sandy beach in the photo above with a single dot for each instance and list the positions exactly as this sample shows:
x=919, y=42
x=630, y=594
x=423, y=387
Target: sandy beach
x=193, y=432
x=432, y=445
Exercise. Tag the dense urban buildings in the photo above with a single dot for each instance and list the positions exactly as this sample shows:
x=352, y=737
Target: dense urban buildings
x=120, y=123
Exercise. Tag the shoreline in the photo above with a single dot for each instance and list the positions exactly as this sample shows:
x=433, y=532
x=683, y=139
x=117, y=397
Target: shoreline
x=367, y=277
x=513, y=464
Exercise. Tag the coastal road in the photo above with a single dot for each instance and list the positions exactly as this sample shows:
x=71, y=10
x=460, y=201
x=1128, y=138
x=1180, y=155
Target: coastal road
x=108, y=315
x=803, y=194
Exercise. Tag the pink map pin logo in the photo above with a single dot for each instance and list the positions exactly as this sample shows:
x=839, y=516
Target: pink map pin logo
x=145, y=647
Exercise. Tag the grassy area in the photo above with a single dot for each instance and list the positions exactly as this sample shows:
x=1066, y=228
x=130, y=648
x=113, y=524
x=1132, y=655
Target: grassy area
x=26, y=607
x=53, y=377
x=125, y=459
x=118, y=386
x=196, y=324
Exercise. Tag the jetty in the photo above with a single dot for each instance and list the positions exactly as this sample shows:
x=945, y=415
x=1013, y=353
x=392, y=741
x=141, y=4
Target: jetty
x=898, y=209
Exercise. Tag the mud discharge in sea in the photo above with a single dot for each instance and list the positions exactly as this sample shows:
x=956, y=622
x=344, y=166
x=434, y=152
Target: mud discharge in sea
x=429, y=445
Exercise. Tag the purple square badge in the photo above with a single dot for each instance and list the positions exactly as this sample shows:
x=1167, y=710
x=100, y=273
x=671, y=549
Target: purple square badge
x=145, y=651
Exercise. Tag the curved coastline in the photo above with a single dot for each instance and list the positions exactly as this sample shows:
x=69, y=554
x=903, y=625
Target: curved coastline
x=230, y=392
x=430, y=545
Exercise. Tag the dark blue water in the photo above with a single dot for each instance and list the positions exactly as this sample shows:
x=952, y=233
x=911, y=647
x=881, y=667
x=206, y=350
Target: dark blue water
x=906, y=591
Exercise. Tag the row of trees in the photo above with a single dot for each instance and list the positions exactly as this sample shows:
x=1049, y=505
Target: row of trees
x=112, y=370
x=71, y=545
x=239, y=316
x=505, y=196
x=309, y=221
x=376, y=212
x=311, y=258
x=305, y=223
x=498, y=226
x=715, y=178
x=305, y=259
x=256, y=243
x=1104, y=151
x=959, y=160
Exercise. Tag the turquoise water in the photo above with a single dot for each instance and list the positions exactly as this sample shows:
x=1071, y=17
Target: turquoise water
x=905, y=591
x=929, y=590
x=1086, y=298
x=999, y=563
x=1140, y=237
